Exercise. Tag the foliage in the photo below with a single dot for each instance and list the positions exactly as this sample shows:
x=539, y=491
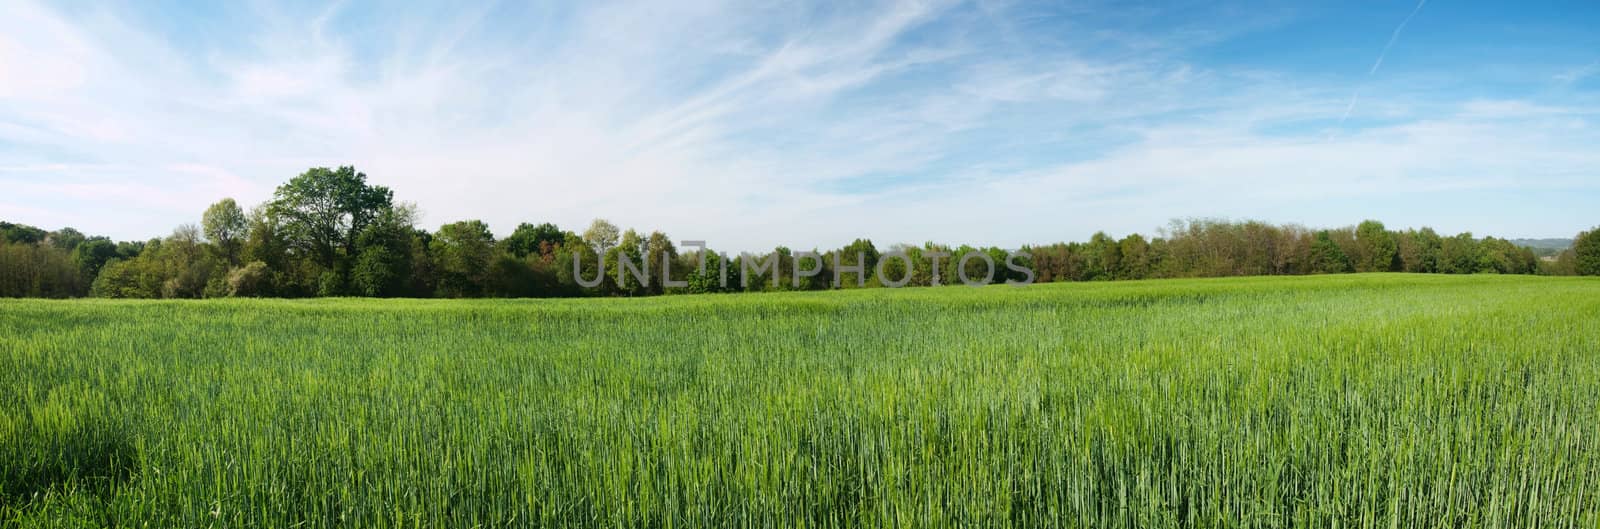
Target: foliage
x=323, y=210
x=1459, y=255
x=1326, y=255
x=38, y=270
x=529, y=239
x=20, y=233
x=384, y=262
x=251, y=280
x=1586, y=253
x=1378, y=248
x=463, y=251
x=92, y=255
x=328, y=232
x=602, y=235
x=226, y=226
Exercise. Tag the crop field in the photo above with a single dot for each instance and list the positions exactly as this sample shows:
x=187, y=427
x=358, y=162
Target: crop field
x=1330, y=401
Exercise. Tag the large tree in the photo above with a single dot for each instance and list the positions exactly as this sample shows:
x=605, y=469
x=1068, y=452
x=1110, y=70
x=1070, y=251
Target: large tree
x=1104, y=256
x=1586, y=253
x=602, y=235
x=1459, y=254
x=184, y=264
x=661, y=253
x=21, y=233
x=383, y=268
x=324, y=210
x=91, y=255
x=1326, y=256
x=529, y=239
x=65, y=239
x=630, y=248
x=226, y=226
x=1418, y=251
x=264, y=240
x=1135, y=257
x=30, y=269
x=862, y=253
x=463, y=252
x=1377, y=247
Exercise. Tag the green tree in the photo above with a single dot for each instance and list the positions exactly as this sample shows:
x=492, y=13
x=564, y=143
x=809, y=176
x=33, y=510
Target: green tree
x=1586, y=253
x=265, y=241
x=602, y=234
x=129, y=249
x=630, y=249
x=424, y=282
x=510, y=277
x=529, y=239
x=1418, y=251
x=133, y=274
x=1459, y=254
x=226, y=226
x=65, y=239
x=710, y=279
x=1503, y=257
x=383, y=264
x=662, y=255
x=1104, y=256
x=894, y=268
x=588, y=264
x=185, y=265
x=323, y=210
x=21, y=233
x=92, y=255
x=864, y=250
x=1135, y=257
x=121, y=280
x=1377, y=247
x=1292, y=250
x=251, y=280
x=463, y=252
x=32, y=269
x=1326, y=255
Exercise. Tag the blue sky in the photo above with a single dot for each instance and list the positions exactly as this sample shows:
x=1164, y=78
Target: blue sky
x=755, y=124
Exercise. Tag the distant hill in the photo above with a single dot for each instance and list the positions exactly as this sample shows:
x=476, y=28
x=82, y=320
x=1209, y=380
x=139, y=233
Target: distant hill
x=1553, y=244
x=1544, y=247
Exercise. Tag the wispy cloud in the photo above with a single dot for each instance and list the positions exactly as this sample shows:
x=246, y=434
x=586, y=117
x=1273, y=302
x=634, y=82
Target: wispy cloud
x=1580, y=73
x=1355, y=96
x=744, y=124
x=1394, y=37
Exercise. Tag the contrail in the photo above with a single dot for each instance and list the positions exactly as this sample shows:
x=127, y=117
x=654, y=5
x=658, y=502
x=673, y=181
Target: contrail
x=1352, y=106
x=1393, y=37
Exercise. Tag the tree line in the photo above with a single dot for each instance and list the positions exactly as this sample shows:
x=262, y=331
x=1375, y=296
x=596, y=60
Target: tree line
x=328, y=232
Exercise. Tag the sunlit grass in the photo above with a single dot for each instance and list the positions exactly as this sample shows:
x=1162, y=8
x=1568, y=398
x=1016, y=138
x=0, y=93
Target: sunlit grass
x=1368, y=400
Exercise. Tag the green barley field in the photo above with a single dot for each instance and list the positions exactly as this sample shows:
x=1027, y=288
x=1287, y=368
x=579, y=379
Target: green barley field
x=1334, y=401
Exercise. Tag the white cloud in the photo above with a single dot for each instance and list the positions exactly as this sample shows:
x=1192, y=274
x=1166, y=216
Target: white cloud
x=744, y=125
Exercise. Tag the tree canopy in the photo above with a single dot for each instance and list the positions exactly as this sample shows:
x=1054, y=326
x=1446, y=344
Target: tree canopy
x=226, y=225
x=328, y=232
x=323, y=210
x=1586, y=253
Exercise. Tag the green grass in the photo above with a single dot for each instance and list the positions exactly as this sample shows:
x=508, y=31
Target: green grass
x=1336, y=401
